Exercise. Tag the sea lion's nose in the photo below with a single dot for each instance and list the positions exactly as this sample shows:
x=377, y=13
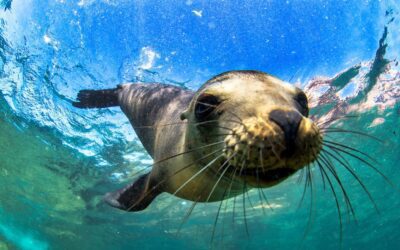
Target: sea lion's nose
x=289, y=122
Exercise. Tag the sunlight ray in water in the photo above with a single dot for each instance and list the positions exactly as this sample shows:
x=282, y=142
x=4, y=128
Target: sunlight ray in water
x=18, y=237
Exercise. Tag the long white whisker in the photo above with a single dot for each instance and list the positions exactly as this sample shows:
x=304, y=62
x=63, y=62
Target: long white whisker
x=197, y=174
x=220, y=177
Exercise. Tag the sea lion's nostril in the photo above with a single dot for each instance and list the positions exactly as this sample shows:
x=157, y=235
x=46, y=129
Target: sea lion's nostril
x=289, y=122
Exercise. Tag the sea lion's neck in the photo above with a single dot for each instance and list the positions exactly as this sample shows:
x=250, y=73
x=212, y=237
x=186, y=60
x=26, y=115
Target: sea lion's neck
x=150, y=107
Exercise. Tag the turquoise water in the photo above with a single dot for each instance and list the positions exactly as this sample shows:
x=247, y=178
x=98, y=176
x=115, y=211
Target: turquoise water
x=56, y=162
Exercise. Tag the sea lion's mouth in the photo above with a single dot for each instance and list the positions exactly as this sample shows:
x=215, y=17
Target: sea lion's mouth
x=261, y=177
x=269, y=175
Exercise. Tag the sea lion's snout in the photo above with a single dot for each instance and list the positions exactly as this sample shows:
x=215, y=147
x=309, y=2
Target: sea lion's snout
x=289, y=122
x=266, y=150
x=257, y=142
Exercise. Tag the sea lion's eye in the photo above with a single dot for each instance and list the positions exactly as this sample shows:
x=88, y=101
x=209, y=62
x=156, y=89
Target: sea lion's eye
x=205, y=106
x=302, y=100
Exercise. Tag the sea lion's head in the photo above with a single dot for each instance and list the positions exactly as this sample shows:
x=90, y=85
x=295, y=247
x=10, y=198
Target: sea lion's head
x=257, y=124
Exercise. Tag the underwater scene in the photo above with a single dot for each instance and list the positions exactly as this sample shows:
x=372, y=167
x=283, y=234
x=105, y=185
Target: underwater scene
x=57, y=161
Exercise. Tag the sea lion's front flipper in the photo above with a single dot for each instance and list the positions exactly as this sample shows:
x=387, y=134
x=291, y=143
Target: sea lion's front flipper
x=134, y=197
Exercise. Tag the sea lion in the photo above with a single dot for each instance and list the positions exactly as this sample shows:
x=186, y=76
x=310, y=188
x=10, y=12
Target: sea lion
x=240, y=130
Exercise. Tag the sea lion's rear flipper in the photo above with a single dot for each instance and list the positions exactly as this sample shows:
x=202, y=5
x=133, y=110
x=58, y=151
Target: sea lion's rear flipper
x=104, y=98
x=134, y=197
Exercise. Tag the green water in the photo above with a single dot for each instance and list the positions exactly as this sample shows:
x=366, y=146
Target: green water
x=51, y=198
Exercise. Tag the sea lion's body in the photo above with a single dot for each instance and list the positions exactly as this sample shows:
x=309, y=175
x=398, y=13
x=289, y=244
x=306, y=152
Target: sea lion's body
x=154, y=111
x=215, y=143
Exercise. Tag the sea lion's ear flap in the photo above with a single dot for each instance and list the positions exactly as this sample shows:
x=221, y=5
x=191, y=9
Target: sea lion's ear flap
x=184, y=115
x=134, y=197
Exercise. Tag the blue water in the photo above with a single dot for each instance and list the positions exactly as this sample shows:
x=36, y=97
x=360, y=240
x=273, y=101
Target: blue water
x=56, y=162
